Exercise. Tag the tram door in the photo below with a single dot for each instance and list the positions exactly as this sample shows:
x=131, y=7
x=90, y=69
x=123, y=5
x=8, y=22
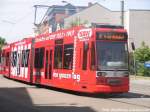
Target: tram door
x=48, y=63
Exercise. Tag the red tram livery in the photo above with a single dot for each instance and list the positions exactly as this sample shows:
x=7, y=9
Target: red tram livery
x=93, y=60
x=5, y=60
x=20, y=60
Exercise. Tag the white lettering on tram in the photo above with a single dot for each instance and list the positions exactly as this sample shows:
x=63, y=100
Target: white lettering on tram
x=66, y=76
x=19, y=60
x=58, y=35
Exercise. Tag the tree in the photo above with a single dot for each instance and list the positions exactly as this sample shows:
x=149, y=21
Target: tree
x=142, y=55
x=2, y=42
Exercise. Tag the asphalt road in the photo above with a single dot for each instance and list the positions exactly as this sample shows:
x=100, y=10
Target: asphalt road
x=19, y=97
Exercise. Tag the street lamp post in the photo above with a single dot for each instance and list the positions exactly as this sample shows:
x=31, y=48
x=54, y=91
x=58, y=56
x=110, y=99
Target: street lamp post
x=122, y=12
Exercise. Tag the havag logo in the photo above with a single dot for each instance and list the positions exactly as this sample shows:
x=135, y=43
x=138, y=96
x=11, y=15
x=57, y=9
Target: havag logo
x=84, y=34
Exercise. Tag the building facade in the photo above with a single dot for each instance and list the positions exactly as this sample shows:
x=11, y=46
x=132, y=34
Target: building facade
x=96, y=13
x=138, y=26
x=137, y=22
x=54, y=17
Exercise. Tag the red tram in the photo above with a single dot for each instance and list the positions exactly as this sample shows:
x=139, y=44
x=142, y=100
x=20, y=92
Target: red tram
x=5, y=60
x=93, y=60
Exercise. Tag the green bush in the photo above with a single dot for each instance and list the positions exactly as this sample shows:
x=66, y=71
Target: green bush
x=142, y=55
x=143, y=71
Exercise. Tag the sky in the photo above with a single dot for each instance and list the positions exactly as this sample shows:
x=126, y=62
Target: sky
x=17, y=16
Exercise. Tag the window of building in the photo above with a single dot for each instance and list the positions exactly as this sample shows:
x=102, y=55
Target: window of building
x=58, y=56
x=68, y=56
x=39, y=57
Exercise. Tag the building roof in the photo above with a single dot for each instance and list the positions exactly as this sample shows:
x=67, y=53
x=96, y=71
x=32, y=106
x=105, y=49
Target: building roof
x=92, y=6
x=62, y=7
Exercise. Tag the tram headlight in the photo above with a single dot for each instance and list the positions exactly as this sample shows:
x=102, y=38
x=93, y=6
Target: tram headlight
x=101, y=74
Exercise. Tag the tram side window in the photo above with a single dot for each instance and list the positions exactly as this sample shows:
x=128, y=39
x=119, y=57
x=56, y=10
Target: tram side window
x=93, y=56
x=3, y=59
x=25, y=57
x=39, y=57
x=11, y=59
x=68, y=56
x=85, y=53
x=0, y=59
x=36, y=63
x=7, y=58
x=58, y=56
x=14, y=58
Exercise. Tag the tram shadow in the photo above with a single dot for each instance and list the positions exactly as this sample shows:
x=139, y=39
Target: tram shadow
x=123, y=95
x=104, y=95
x=98, y=95
x=20, y=100
x=131, y=95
